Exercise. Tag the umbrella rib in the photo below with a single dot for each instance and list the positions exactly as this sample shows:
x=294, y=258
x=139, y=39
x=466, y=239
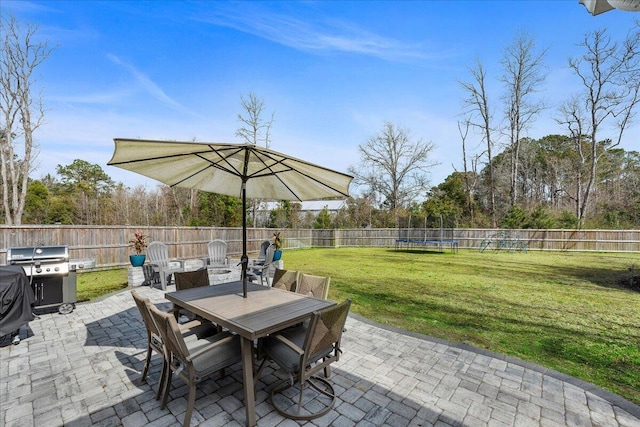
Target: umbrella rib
x=274, y=173
x=223, y=157
x=282, y=161
x=148, y=159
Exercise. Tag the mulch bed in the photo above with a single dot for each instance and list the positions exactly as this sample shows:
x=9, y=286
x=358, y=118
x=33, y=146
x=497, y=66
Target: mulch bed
x=633, y=283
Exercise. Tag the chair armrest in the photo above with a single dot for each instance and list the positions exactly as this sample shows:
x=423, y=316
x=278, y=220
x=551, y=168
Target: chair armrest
x=179, y=261
x=288, y=343
x=211, y=346
x=190, y=324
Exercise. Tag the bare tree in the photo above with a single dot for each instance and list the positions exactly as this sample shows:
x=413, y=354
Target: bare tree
x=610, y=75
x=477, y=103
x=20, y=114
x=254, y=130
x=523, y=67
x=393, y=166
x=470, y=179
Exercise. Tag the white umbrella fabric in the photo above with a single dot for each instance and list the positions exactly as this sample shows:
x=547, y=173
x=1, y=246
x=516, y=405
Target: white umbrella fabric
x=241, y=170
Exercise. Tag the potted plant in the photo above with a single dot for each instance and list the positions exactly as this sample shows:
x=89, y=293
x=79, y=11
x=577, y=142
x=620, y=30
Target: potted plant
x=276, y=240
x=139, y=244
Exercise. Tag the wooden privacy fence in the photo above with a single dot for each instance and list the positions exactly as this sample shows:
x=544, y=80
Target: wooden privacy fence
x=108, y=245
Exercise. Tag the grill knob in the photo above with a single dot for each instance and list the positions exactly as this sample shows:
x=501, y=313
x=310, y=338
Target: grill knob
x=38, y=270
x=56, y=269
x=48, y=269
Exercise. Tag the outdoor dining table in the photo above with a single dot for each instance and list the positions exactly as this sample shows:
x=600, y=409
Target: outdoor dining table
x=264, y=311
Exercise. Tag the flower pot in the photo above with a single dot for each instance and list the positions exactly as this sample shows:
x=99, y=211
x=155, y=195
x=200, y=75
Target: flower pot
x=277, y=255
x=137, y=260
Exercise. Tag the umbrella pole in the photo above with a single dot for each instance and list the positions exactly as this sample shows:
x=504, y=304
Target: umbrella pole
x=245, y=257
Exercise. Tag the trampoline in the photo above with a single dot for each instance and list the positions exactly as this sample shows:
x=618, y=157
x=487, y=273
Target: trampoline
x=442, y=237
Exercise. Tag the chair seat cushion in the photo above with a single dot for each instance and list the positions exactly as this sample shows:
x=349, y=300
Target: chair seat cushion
x=285, y=356
x=217, y=358
x=197, y=332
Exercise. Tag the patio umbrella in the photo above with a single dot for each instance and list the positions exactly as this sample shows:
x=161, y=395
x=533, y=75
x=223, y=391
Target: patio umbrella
x=241, y=170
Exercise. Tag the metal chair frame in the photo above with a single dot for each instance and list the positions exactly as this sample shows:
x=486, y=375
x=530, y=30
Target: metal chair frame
x=319, y=349
x=154, y=339
x=194, y=360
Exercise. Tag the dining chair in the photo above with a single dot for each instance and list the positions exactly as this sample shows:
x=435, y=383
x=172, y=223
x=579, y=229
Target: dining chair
x=285, y=279
x=191, y=279
x=164, y=266
x=315, y=286
x=188, y=280
x=217, y=250
x=302, y=352
x=191, y=330
x=193, y=360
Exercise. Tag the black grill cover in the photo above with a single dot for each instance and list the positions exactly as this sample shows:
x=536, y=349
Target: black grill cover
x=16, y=299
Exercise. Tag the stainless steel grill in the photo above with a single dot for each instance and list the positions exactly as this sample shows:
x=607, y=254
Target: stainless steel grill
x=52, y=279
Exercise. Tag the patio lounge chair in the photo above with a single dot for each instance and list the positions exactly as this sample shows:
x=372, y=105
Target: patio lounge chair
x=263, y=250
x=164, y=266
x=193, y=360
x=302, y=352
x=191, y=331
x=263, y=270
x=217, y=250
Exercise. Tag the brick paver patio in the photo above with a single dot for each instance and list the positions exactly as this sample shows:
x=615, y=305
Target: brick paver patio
x=83, y=369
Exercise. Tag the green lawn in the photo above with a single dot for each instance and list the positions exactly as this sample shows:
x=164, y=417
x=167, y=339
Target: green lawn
x=92, y=285
x=565, y=311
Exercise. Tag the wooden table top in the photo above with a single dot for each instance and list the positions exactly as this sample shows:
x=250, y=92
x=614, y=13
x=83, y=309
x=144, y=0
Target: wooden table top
x=265, y=310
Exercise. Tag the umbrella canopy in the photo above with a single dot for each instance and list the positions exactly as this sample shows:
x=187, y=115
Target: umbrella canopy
x=241, y=170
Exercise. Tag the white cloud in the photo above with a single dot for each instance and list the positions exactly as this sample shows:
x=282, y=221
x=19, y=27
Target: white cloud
x=149, y=86
x=321, y=35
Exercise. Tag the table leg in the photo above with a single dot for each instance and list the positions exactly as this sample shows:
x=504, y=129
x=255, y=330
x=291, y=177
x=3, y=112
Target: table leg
x=247, y=373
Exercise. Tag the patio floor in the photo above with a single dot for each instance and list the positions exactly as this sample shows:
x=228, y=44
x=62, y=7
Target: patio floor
x=83, y=369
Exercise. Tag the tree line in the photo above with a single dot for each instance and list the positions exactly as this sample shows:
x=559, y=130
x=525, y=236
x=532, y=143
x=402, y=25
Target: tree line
x=82, y=193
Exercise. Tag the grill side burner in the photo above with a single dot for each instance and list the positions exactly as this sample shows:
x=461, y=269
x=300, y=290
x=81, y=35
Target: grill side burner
x=52, y=279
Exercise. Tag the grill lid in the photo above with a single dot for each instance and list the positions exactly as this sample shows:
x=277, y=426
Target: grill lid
x=28, y=254
x=41, y=260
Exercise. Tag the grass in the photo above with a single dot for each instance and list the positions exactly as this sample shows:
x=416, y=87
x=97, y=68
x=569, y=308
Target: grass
x=92, y=285
x=565, y=311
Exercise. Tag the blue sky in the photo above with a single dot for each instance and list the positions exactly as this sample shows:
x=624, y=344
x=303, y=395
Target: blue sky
x=332, y=72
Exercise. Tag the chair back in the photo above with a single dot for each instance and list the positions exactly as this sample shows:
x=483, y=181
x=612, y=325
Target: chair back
x=268, y=258
x=285, y=279
x=170, y=333
x=158, y=253
x=315, y=286
x=263, y=249
x=268, y=264
x=191, y=279
x=324, y=334
x=142, y=304
x=154, y=338
x=217, y=251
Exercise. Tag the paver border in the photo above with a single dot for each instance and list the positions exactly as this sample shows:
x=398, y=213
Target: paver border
x=615, y=399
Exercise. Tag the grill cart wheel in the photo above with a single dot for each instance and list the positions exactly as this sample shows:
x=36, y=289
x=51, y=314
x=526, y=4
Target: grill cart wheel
x=65, y=308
